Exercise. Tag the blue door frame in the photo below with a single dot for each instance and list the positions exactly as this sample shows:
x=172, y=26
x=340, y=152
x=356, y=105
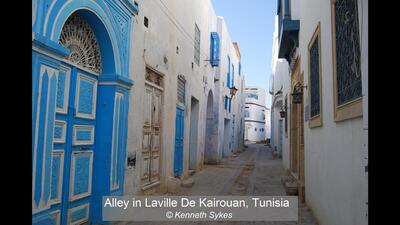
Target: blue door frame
x=179, y=135
x=68, y=148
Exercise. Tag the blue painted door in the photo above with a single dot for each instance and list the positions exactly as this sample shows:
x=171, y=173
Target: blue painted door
x=179, y=133
x=74, y=132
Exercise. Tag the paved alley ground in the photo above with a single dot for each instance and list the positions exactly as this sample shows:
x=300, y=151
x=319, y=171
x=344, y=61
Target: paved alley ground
x=251, y=172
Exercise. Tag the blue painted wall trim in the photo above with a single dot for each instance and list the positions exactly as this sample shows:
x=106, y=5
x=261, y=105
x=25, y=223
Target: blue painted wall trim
x=116, y=78
x=114, y=15
x=46, y=44
x=133, y=9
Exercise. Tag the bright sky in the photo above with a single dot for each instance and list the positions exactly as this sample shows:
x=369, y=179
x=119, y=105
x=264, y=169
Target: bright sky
x=251, y=24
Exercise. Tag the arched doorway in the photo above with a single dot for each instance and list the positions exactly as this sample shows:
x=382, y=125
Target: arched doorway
x=79, y=109
x=91, y=168
x=210, y=151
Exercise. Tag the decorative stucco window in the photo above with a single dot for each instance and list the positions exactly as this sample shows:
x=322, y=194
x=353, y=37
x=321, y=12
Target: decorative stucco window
x=314, y=79
x=79, y=38
x=197, y=45
x=346, y=60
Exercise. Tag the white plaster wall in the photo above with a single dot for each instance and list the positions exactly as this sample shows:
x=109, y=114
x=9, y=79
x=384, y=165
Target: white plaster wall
x=253, y=134
x=258, y=91
x=281, y=82
x=267, y=123
x=257, y=112
x=363, y=12
x=172, y=25
x=334, y=172
x=227, y=48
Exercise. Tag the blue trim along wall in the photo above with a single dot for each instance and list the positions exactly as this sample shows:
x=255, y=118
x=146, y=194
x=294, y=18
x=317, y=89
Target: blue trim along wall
x=79, y=126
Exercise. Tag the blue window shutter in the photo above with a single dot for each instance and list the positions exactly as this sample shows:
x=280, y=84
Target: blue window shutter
x=240, y=68
x=214, y=49
x=230, y=102
x=233, y=75
x=228, y=80
x=211, y=48
x=217, y=49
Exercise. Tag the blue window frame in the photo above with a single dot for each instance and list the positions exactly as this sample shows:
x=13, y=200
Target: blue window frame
x=233, y=76
x=214, y=49
x=240, y=68
x=228, y=79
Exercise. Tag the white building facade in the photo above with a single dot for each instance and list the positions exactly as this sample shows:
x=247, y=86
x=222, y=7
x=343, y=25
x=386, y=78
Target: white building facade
x=279, y=89
x=255, y=114
x=320, y=84
x=177, y=110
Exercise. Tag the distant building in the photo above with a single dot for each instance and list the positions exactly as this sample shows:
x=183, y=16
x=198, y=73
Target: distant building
x=255, y=115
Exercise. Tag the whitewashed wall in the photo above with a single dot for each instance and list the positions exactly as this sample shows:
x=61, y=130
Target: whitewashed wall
x=334, y=155
x=256, y=131
x=227, y=48
x=267, y=123
x=172, y=25
x=281, y=82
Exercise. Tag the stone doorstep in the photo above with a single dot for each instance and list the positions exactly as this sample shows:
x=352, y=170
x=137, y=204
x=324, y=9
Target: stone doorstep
x=192, y=172
x=290, y=185
x=174, y=185
x=291, y=188
x=187, y=183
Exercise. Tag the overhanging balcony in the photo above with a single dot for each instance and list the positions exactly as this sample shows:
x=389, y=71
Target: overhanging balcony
x=288, y=37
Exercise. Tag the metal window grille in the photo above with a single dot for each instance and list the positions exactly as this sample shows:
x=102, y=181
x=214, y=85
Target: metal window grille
x=314, y=78
x=348, y=71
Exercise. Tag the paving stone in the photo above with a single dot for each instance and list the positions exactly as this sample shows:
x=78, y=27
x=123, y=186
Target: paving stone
x=252, y=172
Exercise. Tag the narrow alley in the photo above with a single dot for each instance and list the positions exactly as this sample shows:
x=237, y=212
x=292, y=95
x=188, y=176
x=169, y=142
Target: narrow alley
x=137, y=98
x=253, y=171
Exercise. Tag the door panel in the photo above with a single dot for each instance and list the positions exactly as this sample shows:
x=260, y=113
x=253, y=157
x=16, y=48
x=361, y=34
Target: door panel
x=147, y=107
x=86, y=92
x=74, y=143
x=156, y=109
x=179, y=132
x=81, y=174
x=151, y=136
